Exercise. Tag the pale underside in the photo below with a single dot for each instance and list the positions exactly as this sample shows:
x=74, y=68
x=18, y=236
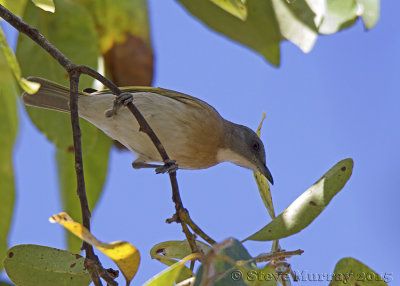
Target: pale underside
x=191, y=132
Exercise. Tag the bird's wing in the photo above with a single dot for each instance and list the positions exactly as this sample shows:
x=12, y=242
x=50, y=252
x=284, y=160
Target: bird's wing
x=178, y=96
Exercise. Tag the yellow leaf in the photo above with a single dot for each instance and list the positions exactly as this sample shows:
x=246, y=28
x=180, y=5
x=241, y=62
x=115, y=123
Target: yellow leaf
x=260, y=126
x=124, y=254
x=262, y=183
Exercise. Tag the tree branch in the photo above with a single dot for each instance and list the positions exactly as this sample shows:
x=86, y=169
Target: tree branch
x=74, y=72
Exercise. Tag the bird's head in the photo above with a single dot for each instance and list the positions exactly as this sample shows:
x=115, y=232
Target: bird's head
x=243, y=147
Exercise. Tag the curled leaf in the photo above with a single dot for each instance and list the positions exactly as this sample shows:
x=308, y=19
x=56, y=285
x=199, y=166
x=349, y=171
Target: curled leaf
x=124, y=254
x=167, y=252
x=176, y=249
x=169, y=276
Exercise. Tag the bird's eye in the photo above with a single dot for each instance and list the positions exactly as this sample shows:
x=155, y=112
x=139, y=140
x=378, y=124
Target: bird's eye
x=256, y=146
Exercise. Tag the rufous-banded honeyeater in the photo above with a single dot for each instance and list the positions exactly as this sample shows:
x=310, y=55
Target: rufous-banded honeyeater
x=192, y=131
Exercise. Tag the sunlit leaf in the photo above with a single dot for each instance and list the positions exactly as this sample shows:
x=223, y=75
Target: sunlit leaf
x=15, y=6
x=319, y=9
x=370, y=13
x=46, y=5
x=262, y=183
x=124, y=254
x=236, y=7
x=260, y=31
x=33, y=265
x=351, y=272
x=95, y=160
x=339, y=15
x=308, y=206
x=169, y=276
x=9, y=129
x=167, y=252
x=28, y=86
x=296, y=23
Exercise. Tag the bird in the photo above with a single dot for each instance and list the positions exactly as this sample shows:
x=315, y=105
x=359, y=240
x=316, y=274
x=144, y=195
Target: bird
x=192, y=132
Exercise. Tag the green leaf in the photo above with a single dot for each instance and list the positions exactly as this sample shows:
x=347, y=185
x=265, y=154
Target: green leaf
x=171, y=274
x=95, y=162
x=124, y=39
x=296, y=23
x=8, y=126
x=269, y=22
x=265, y=192
x=259, y=32
x=236, y=7
x=166, y=252
x=15, y=6
x=370, y=12
x=351, y=272
x=32, y=265
x=227, y=272
x=46, y=5
x=117, y=19
x=28, y=86
x=176, y=249
x=308, y=206
x=339, y=15
x=69, y=37
x=262, y=183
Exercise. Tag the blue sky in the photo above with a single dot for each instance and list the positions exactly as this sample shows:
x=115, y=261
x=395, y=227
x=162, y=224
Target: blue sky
x=341, y=100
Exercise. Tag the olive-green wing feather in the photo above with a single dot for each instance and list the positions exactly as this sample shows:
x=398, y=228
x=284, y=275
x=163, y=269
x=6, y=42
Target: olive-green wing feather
x=181, y=97
x=55, y=96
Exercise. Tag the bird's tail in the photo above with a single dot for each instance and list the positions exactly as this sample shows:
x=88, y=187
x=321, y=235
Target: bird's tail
x=50, y=95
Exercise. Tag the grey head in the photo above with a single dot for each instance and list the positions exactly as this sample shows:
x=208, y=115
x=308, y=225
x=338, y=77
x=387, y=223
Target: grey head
x=243, y=147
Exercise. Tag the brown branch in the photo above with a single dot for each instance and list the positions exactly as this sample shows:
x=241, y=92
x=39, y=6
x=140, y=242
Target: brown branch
x=184, y=216
x=74, y=72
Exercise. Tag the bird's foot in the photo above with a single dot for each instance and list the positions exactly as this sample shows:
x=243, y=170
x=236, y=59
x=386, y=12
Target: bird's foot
x=142, y=165
x=169, y=166
x=121, y=100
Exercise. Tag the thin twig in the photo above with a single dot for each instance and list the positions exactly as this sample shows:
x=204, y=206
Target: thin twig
x=76, y=131
x=184, y=215
x=276, y=255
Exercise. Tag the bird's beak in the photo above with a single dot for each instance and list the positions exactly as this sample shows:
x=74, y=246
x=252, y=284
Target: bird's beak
x=267, y=174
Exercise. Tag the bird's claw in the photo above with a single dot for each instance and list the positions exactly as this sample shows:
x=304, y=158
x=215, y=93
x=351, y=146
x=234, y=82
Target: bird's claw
x=169, y=166
x=123, y=99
